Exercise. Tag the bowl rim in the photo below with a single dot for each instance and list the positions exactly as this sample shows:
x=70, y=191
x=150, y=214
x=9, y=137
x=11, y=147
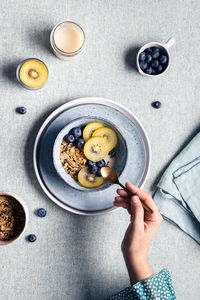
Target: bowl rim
x=56, y=157
x=18, y=199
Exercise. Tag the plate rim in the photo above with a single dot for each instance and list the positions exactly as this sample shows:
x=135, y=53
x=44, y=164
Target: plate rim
x=69, y=105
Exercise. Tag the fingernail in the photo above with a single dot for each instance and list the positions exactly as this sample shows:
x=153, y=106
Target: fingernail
x=135, y=199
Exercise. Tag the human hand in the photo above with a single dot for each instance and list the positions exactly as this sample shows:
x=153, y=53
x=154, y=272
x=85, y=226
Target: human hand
x=140, y=232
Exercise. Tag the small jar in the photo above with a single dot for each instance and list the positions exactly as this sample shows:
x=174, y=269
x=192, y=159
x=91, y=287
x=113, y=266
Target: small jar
x=67, y=40
x=32, y=73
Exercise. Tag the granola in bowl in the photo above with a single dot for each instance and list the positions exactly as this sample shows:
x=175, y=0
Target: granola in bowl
x=84, y=150
x=72, y=159
x=83, y=147
x=12, y=218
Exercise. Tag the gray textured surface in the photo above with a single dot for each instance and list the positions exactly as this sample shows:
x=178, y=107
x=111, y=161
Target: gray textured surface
x=78, y=258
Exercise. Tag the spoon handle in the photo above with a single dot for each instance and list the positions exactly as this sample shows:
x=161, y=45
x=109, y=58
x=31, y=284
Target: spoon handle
x=146, y=207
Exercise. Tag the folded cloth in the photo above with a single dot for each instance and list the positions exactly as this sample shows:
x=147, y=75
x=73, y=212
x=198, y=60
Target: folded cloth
x=178, y=192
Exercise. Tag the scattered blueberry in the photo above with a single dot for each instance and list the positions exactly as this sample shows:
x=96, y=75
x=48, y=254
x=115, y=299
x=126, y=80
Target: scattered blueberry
x=148, y=70
x=76, y=132
x=142, y=56
x=79, y=143
x=155, y=53
x=41, y=212
x=69, y=138
x=101, y=163
x=32, y=238
x=93, y=170
x=143, y=65
x=99, y=172
x=163, y=59
x=160, y=68
x=154, y=63
x=112, y=152
x=148, y=58
x=156, y=104
x=21, y=110
x=153, y=72
x=90, y=163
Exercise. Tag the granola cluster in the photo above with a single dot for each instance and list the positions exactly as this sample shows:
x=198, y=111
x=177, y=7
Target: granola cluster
x=12, y=218
x=72, y=159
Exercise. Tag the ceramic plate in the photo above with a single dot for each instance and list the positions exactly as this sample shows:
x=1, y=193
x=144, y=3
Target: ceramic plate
x=95, y=202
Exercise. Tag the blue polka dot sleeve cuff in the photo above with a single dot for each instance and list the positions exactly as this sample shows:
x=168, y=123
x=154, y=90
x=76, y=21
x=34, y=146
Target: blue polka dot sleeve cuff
x=156, y=287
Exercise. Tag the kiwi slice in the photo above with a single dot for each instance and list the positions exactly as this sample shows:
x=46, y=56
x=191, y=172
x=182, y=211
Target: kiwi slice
x=108, y=134
x=90, y=128
x=33, y=74
x=96, y=149
x=88, y=180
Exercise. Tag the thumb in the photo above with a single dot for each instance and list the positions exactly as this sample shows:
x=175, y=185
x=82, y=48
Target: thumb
x=137, y=212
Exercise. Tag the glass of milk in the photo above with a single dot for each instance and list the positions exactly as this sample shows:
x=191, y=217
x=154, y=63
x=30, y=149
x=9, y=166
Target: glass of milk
x=67, y=40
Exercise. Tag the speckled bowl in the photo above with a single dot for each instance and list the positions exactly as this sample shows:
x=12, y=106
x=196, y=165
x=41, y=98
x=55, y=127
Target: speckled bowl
x=121, y=151
x=23, y=222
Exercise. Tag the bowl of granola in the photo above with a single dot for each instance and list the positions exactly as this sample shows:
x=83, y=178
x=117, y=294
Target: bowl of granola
x=83, y=147
x=13, y=218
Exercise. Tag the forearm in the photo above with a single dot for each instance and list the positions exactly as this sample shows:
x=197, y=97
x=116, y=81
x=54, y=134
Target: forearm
x=138, y=269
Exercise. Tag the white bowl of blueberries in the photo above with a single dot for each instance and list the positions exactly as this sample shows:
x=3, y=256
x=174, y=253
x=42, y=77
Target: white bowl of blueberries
x=153, y=59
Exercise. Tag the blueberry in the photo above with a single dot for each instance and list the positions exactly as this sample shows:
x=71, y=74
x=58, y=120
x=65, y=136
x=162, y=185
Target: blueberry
x=90, y=163
x=148, y=50
x=153, y=72
x=41, y=212
x=156, y=104
x=112, y=152
x=163, y=59
x=32, y=238
x=21, y=110
x=69, y=138
x=148, y=58
x=159, y=68
x=148, y=70
x=154, y=63
x=101, y=163
x=79, y=143
x=93, y=170
x=143, y=65
x=99, y=172
x=154, y=49
x=142, y=56
x=155, y=53
x=76, y=132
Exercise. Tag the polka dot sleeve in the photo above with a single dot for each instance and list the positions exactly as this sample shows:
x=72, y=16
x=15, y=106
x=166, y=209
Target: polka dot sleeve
x=156, y=287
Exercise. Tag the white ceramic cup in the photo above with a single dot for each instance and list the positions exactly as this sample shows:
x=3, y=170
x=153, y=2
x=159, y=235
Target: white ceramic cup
x=164, y=47
x=25, y=210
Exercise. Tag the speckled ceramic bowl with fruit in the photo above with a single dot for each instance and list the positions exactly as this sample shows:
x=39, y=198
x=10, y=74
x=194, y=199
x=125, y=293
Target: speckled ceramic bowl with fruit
x=116, y=159
x=153, y=59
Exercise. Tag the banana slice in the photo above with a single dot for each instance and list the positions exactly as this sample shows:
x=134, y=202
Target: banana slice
x=89, y=129
x=108, y=134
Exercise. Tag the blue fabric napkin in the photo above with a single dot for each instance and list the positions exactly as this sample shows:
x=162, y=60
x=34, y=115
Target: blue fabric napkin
x=178, y=192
